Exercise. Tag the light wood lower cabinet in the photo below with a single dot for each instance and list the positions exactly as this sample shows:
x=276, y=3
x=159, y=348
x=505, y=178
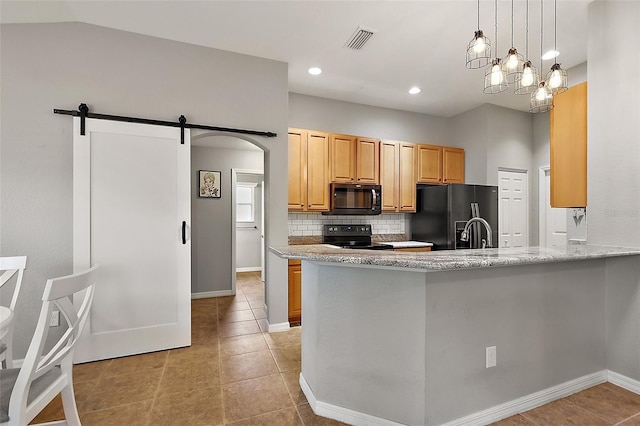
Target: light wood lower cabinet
x=568, y=125
x=413, y=249
x=295, y=291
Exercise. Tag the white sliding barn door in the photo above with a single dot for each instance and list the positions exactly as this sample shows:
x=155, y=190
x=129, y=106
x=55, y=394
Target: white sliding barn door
x=131, y=194
x=513, y=222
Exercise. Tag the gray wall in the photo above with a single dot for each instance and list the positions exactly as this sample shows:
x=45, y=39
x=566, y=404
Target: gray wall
x=211, y=267
x=613, y=213
x=309, y=112
x=46, y=66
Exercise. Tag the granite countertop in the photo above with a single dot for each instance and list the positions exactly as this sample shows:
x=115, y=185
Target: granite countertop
x=451, y=259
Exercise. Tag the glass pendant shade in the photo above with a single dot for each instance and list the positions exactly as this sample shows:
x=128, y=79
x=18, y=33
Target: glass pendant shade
x=495, y=79
x=528, y=82
x=541, y=99
x=513, y=65
x=557, y=79
x=479, y=51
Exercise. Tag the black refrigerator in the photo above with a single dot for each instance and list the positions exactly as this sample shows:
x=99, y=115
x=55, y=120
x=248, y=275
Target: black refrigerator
x=442, y=212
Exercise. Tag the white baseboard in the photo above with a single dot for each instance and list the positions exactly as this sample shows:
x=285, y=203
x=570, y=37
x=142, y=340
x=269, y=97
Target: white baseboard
x=249, y=269
x=283, y=326
x=483, y=417
x=206, y=294
x=342, y=414
x=531, y=401
x=624, y=382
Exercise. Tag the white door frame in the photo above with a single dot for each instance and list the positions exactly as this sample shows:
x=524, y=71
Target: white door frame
x=542, y=217
x=234, y=182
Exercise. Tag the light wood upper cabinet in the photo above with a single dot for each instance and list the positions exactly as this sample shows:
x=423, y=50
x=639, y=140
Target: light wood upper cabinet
x=452, y=165
x=440, y=164
x=343, y=158
x=397, y=176
x=568, y=125
x=308, y=170
x=389, y=175
x=354, y=159
x=367, y=160
x=407, y=178
x=429, y=164
x=297, y=169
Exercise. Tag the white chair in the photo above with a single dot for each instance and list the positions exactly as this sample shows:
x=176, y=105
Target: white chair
x=45, y=373
x=9, y=267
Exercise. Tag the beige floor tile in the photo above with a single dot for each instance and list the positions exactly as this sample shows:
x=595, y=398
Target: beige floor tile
x=51, y=413
x=242, y=344
x=256, y=304
x=309, y=418
x=564, y=412
x=253, y=397
x=120, y=390
x=286, y=417
x=264, y=325
x=290, y=337
x=136, y=414
x=247, y=366
x=609, y=404
x=239, y=328
x=194, y=354
x=259, y=313
x=204, y=336
x=132, y=364
x=200, y=407
x=292, y=380
x=189, y=378
x=258, y=295
x=235, y=316
x=288, y=358
x=90, y=370
x=516, y=420
x=633, y=421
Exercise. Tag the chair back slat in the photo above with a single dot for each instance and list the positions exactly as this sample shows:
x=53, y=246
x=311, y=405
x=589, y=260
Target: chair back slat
x=11, y=266
x=58, y=294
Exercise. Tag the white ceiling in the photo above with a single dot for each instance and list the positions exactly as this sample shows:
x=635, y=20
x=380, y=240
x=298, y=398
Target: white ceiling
x=417, y=43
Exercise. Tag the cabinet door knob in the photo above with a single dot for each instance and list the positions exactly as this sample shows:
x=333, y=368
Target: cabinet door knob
x=301, y=205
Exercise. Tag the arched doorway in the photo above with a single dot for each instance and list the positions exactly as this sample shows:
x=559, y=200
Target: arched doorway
x=214, y=237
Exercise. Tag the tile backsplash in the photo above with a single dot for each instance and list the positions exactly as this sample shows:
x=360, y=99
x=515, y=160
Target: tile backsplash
x=306, y=224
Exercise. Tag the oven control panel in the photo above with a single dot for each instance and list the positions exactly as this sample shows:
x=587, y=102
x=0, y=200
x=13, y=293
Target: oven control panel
x=347, y=230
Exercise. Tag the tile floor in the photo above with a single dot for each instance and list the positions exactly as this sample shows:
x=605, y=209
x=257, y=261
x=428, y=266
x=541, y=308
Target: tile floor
x=236, y=374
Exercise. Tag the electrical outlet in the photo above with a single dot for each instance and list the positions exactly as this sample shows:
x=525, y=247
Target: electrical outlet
x=491, y=357
x=54, y=321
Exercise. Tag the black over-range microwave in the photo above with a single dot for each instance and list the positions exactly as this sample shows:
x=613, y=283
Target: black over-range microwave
x=355, y=199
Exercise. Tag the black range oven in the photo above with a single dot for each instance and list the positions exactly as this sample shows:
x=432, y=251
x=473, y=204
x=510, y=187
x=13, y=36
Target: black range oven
x=351, y=236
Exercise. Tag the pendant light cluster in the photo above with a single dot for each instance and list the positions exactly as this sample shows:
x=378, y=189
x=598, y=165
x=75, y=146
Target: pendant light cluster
x=514, y=69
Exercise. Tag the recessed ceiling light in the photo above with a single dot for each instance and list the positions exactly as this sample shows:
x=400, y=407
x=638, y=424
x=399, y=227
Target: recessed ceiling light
x=315, y=71
x=414, y=90
x=550, y=55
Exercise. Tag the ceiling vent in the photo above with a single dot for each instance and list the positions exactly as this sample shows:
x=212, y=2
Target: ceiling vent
x=359, y=38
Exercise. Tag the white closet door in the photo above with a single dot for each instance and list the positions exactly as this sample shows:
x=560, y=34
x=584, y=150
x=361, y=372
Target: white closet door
x=513, y=222
x=131, y=196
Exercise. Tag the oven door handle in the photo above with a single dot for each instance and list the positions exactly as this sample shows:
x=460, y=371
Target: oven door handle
x=375, y=199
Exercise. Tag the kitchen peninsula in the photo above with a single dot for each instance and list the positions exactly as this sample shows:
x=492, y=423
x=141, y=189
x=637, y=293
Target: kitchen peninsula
x=400, y=338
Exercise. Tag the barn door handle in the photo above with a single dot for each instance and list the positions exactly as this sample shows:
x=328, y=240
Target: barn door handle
x=184, y=232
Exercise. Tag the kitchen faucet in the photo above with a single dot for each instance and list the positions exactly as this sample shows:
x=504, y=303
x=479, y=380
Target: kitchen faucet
x=465, y=232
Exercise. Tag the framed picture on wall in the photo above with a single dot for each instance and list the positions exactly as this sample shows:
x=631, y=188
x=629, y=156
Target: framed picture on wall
x=209, y=184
